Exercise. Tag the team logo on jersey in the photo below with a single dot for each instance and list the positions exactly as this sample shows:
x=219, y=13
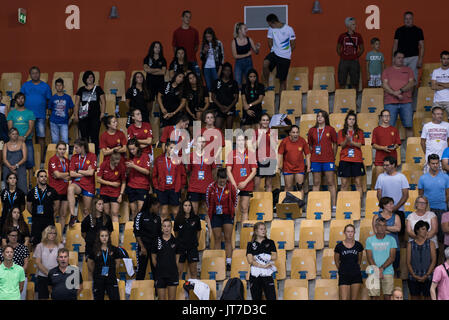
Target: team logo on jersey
x=138, y=161
x=254, y=245
x=173, y=245
x=118, y=140
x=180, y=227
x=327, y=134
x=299, y=148
x=116, y=173
x=193, y=223
x=145, y=131
x=19, y=119
x=53, y=166
x=226, y=192
x=88, y=161
x=392, y=133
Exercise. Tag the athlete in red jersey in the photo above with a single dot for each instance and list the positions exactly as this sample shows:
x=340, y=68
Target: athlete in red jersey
x=112, y=140
x=176, y=133
x=141, y=131
x=211, y=134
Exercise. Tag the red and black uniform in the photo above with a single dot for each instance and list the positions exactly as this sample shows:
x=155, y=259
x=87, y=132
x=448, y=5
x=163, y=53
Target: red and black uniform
x=87, y=184
x=321, y=141
x=118, y=174
x=60, y=185
x=138, y=183
x=168, y=180
x=351, y=158
x=241, y=166
x=385, y=137
x=200, y=168
x=210, y=135
x=293, y=153
x=118, y=139
x=171, y=133
x=142, y=133
x=221, y=204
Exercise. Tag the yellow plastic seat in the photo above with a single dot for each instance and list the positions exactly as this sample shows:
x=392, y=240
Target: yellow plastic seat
x=303, y=264
x=296, y=293
x=288, y=210
x=316, y=100
x=425, y=102
x=348, y=205
x=263, y=195
x=412, y=172
x=344, y=100
x=114, y=83
x=246, y=232
x=30, y=291
x=67, y=74
x=97, y=78
x=74, y=240
x=86, y=293
x=283, y=234
x=142, y=290
x=12, y=75
x=10, y=87
x=268, y=103
x=311, y=234
x=213, y=290
x=281, y=266
x=367, y=122
x=426, y=75
x=328, y=267
x=291, y=103
x=372, y=100
x=414, y=154
x=371, y=204
x=31, y=270
x=213, y=265
x=115, y=234
x=306, y=122
x=129, y=240
x=366, y=230
x=319, y=205
x=261, y=209
x=110, y=105
x=239, y=265
x=336, y=234
x=298, y=79
x=409, y=205
x=337, y=120
x=324, y=78
x=73, y=258
x=367, y=153
x=122, y=274
x=326, y=289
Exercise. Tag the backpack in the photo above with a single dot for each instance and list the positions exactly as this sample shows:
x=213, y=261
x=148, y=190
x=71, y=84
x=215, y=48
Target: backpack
x=233, y=290
x=123, y=253
x=290, y=198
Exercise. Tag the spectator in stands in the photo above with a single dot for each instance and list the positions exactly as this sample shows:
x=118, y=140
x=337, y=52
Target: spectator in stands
x=398, y=83
x=3, y=130
x=422, y=213
x=187, y=229
x=386, y=204
x=178, y=134
x=292, y=151
x=41, y=205
x=351, y=140
x=386, y=140
x=83, y=165
x=421, y=259
x=409, y=39
x=12, y=276
x=61, y=107
x=15, y=158
x=187, y=37
x=23, y=119
x=11, y=196
x=375, y=64
x=16, y=221
x=397, y=294
x=393, y=184
x=241, y=166
x=138, y=95
x=253, y=93
x=212, y=56
x=202, y=172
x=171, y=100
x=37, y=94
x=103, y=263
x=349, y=47
x=112, y=180
x=282, y=42
x=225, y=94
x=58, y=179
x=440, y=83
x=322, y=140
x=147, y=228
x=155, y=66
x=45, y=256
x=381, y=251
x=113, y=140
x=435, y=135
x=434, y=185
x=4, y=109
x=169, y=177
x=348, y=258
x=439, y=290
x=242, y=47
x=21, y=254
x=179, y=63
x=59, y=276
x=221, y=201
x=141, y=131
x=163, y=255
x=261, y=254
x=93, y=223
x=90, y=106
x=138, y=173
x=445, y=228
x=210, y=133
x=197, y=97
x=265, y=153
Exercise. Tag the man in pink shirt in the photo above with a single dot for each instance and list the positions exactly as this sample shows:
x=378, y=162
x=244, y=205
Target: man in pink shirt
x=187, y=37
x=398, y=82
x=440, y=280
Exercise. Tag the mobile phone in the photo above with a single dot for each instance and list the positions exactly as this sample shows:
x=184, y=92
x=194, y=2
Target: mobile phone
x=391, y=146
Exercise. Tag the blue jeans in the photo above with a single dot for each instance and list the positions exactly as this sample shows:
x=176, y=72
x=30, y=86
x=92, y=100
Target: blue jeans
x=405, y=111
x=210, y=75
x=29, y=164
x=40, y=127
x=59, y=132
x=241, y=69
x=195, y=68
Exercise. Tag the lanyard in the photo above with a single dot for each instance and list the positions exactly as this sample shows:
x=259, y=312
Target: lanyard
x=13, y=198
x=202, y=161
x=80, y=167
x=39, y=197
x=105, y=257
x=318, y=134
x=242, y=160
x=166, y=164
x=63, y=165
x=221, y=195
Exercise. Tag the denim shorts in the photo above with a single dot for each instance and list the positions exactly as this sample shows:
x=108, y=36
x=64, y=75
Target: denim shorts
x=405, y=111
x=40, y=127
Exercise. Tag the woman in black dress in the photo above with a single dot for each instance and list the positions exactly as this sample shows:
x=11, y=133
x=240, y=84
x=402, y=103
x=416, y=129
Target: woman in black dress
x=171, y=100
x=155, y=66
x=253, y=93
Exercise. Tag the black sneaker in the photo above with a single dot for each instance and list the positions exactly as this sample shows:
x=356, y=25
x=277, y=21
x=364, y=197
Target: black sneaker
x=73, y=220
x=228, y=267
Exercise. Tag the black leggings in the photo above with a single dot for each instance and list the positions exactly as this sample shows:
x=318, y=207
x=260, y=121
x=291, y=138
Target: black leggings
x=102, y=285
x=90, y=130
x=142, y=263
x=265, y=284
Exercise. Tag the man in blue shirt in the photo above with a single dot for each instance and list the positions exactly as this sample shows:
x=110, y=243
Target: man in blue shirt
x=37, y=94
x=61, y=106
x=434, y=185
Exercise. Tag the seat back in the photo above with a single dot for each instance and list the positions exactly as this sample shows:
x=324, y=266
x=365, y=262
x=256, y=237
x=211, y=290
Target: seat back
x=367, y=122
x=289, y=210
x=372, y=100
x=283, y=234
x=371, y=204
x=311, y=234
x=268, y=103
x=316, y=100
x=348, y=205
x=298, y=79
x=261, y=209
x=344, y=100
x=337, y=120
x=280, y=264
x=74, y=240
x=291, y=103
x=366, y=230
x=239, y=265
x=213, y=265
x=328, y=267
x=319, y=205
x=296, y=293
x=324, y=78
x=306, y=122
x=326, y=289
x=303, y=264
x=142, y=290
